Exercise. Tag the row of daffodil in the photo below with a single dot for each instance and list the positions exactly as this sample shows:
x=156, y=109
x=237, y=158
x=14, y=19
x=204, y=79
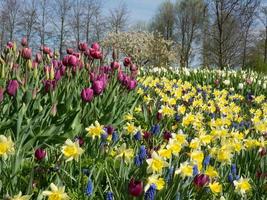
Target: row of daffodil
x=180, y=134
x=235, y=79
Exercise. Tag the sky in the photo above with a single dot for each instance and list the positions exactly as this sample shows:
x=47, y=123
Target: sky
x=140, y=10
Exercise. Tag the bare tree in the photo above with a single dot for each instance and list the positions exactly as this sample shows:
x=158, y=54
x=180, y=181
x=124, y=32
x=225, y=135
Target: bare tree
x=163, y=21
x=188, y=23
x=28, y=18
x=61, y=10
x=248, y=15
x=118, y=18
x=77, y=15
x=43, y=21
x=92, y=7
x=10, y=9
x=263, y=19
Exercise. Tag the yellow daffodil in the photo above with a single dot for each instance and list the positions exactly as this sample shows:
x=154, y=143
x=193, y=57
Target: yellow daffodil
x=156, y=163
x=126, y=154
x=130, y=128
x=95, y=130
x=154, y=179
x=185, y=169
x=72, y=150
x=211, y=172
x=21, y=197
x=6, y=146
x=242, y=185
x=56, y=193
x=215, y=187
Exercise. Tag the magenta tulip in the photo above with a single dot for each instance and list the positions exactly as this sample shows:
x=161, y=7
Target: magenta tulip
x=49, y=85
x=115, y=65
x=46, y=50
x=72, y=60
x=131, y=85
x=1, y=94
x=9, y=45
x=83, y=46
x=95, y=46
x=87, y=94
x=38, y=58
x=12, y=87
x=40, y=154
x=201, y=180
x=26, y=53
x=98, y=86
x=135, y=188
x=127, y=61
x=24, y=42
x=70, y=51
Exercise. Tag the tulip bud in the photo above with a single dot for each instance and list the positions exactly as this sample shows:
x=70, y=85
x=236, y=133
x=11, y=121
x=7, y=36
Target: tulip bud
x=115, y=65
x=201, y=180
x=95, y=46
x=83, y=47
x=135, y=188
x=159, y=116
x=40, y=154
x=53, y=110
x=127, y=61
x=98, y=87
x=46, y=50
x=46, y=72
x=24, y=42
x=29, y=64
x=1, y=94
x=87, y=94
x=52, y=73
x=38, y=58
x=12, y=87
x=72, y=60
x=26, y=53
x=70, y=51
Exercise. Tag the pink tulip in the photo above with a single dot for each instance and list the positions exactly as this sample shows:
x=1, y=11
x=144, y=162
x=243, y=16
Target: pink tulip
x=40, y=154
x=70, y=51
x=83, y=47
x=98, y=87
x=24, y=42
x=12, y=87
x=87, y=94
x=26, y=53
x=95, y=46
x=127, y=61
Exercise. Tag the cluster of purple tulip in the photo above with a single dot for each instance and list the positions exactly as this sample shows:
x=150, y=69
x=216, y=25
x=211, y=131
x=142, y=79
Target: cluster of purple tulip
x=55, y=69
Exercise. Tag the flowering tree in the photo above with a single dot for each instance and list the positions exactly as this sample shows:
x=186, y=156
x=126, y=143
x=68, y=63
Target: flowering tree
x=144, y=48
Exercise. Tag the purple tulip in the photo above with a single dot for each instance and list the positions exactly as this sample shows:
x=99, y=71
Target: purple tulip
x=121, y=77
x=9, y=45
x=127, y=61
x=57, y=75
x=201, y=179
x=72, y=60
x=83, y=46
x=87, y=94
x=135, y=188
x=24, y=42
x=95, y=46
x=115, y=65
x=1, y=94
x=132, y=85
x=26, y=53
x=49, y=85
x=38, y=58
x=40, y=154
x=133, y=67
x=92, y=76
x=70, y=51
x=12, y=87
x=98, y=86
